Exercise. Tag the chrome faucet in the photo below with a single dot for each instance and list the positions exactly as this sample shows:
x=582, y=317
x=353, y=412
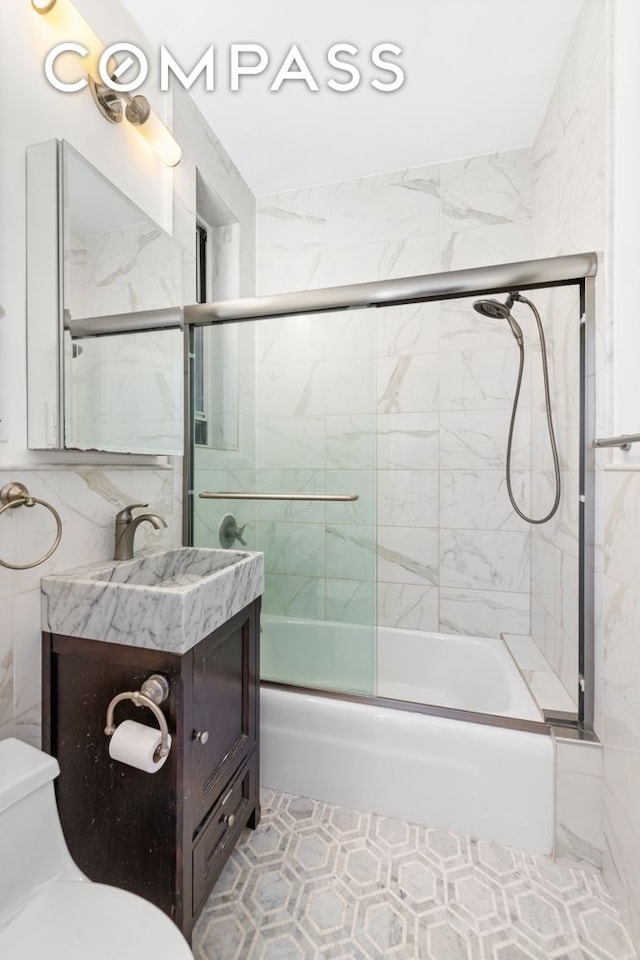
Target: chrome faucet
x=126, y=526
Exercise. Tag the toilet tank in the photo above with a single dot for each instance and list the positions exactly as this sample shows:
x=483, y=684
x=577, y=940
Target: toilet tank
x=32, y=847
x=22, y=770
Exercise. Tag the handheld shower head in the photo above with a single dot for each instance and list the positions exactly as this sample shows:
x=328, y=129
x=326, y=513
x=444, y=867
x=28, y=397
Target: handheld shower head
x=500, y=311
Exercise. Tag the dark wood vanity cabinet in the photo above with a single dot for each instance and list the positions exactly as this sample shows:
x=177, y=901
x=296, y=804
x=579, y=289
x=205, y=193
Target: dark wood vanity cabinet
x=166, y=835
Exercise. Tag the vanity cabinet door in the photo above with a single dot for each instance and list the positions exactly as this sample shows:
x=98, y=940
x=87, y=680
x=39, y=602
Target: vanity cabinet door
x=225, y=692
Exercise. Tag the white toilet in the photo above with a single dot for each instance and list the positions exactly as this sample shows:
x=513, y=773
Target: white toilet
x=48, y=908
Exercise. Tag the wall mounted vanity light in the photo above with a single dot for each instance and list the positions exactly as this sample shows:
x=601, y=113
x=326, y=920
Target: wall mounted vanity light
x=114, y=104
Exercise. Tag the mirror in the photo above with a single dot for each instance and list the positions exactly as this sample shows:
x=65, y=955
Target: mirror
x=104, y=314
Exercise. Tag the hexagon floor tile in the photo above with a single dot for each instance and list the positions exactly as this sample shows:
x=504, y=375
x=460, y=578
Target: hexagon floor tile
x=317, y=882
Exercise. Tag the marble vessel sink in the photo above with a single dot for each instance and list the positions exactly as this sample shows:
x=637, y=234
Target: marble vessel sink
x=168, y=600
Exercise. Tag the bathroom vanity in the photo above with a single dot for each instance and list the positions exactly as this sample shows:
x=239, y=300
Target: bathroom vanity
x=191, y=616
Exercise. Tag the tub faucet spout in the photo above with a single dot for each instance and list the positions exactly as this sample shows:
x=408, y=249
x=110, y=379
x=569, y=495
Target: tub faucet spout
x=126, y=526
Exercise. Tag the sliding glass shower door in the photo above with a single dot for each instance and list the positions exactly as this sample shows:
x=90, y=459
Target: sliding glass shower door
x=395, y=465
x=285, y=417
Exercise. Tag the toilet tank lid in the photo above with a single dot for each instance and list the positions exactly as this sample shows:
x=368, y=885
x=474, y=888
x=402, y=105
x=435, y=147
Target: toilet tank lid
x=23, y=769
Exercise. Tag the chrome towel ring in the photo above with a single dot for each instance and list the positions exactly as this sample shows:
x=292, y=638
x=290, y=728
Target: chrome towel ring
x=16, y=495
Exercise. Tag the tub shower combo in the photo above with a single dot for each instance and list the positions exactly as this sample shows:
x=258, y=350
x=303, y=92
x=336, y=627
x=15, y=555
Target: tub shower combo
x=423, y=494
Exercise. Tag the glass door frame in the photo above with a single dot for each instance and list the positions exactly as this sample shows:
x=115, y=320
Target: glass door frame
x=573, y=270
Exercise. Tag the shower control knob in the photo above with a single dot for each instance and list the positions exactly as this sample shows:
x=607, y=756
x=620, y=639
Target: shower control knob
x=201, y=736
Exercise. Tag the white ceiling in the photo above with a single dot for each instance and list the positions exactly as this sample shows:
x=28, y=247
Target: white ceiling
x=479, y=74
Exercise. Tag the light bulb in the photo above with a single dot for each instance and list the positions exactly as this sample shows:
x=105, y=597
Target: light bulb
x=69, y=25
x=160, y=140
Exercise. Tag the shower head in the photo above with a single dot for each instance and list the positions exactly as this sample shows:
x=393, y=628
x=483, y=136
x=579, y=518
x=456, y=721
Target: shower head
x=500, y=311
x=492, y=308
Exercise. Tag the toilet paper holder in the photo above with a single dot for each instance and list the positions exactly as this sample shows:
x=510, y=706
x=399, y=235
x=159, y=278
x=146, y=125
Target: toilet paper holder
x=151, y=694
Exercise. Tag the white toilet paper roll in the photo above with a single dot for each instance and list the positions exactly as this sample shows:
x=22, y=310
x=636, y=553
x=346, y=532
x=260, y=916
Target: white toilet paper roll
x=135, y=743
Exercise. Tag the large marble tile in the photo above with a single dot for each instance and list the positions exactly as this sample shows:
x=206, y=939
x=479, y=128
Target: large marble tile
x=580, y=757
x=292, y=548
x=622, y=844
x=350, y=386
x=350, y=601
x=310, y=481
x=489, y=560
x=483, y=613
x=297, y=339
x=361, y=483
x=488, y=190
x=407, y=329
x=408, y=441
x=281, y=224
x=485, y=245
x=288, y=595
x=622, y=559
x=400, y=206
x=303, y=268
x=350, y=552
x=480, y=379
x=408, y=555
x=407, y=498
x=408, y=383
x=286, y=442
x=463, y=328
x=383, y=260
x=291, y=389
x=351, y=442
x=351, y=335
x=478, y=499
x=579, y=829
x=471, y=440
x=408, y=605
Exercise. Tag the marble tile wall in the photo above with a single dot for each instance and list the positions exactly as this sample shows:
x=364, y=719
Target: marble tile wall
x=570, y=191
x=579, y=833
x=621, y=616
x=570, y=215
x=419, y=393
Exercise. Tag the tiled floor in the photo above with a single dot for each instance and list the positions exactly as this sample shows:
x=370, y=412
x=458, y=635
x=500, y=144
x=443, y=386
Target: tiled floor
x=318, y=881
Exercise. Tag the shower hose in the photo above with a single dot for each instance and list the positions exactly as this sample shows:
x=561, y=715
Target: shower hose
x=514, y=411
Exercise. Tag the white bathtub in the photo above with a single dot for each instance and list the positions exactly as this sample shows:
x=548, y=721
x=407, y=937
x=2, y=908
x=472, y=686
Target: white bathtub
x=448, y=670
x=483, y=781
x=465, y=673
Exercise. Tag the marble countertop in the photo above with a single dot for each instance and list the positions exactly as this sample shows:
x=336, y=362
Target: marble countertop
x=166, y=600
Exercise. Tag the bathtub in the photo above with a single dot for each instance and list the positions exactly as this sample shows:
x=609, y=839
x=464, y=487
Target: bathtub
x=481, y=780
x=464, y=673
x=447, y=670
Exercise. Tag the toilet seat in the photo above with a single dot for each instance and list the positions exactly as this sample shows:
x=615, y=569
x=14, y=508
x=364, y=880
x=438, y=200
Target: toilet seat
x=81, y=920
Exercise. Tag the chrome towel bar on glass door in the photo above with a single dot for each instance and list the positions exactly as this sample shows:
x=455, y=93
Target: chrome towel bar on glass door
x=624, y=441
x=329, y=497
